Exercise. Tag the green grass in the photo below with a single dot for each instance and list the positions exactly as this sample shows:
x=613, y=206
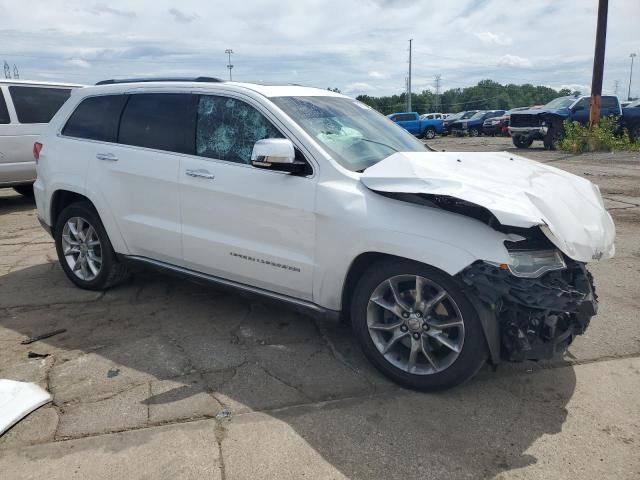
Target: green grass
x=579, y=138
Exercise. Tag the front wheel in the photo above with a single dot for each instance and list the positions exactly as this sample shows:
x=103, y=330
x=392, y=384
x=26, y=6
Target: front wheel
x=474, y=132
x=416, y=326
x=84, y=250
x=522, y=141
x=552, y=139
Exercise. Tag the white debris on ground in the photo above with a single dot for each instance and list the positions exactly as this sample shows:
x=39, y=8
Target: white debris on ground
x=19, y=399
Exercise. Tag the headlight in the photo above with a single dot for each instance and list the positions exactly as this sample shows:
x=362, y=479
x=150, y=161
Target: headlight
x=532, y=264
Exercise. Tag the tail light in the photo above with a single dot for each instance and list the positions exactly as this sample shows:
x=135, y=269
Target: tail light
x=36, y=150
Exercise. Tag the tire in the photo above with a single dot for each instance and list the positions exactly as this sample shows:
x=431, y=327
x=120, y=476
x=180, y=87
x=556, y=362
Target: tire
x=429, y=133
x=552, y=139
x=96, y=246
x=474, y=132
x=372, y=321
x=25, y=190
x=522, y=141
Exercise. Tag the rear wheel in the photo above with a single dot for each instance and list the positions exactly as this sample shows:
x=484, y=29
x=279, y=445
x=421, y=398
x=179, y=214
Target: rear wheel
x=84, y=250
x=25, y=190
x=416, y=326
x=429, y=133
x=474, y=132
x=522, y=141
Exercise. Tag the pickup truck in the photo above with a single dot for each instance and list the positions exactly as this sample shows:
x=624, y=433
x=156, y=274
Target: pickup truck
x=412, y=123
x=546, y=123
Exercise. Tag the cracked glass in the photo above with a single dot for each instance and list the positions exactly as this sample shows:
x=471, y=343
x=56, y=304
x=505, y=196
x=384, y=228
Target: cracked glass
x=228, y=129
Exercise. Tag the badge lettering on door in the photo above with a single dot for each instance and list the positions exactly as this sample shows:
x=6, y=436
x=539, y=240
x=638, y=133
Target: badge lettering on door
x=265, y=262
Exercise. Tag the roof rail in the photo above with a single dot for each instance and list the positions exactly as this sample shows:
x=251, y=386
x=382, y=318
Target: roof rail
x=113, y=81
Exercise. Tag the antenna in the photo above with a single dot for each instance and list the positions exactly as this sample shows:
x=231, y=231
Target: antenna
x=228, y=51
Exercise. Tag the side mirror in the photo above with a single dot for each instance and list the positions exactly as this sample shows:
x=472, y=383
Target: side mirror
x=276, y=154
x=578, y=108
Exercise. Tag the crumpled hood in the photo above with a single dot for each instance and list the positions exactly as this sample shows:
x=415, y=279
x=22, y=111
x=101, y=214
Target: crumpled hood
x=518, y=191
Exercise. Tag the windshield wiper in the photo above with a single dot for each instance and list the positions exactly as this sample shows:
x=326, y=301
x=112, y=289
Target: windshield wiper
x=378, y=143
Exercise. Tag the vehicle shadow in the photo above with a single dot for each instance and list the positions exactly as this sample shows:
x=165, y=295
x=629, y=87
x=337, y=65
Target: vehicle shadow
x=185, y=341
x=11, y=202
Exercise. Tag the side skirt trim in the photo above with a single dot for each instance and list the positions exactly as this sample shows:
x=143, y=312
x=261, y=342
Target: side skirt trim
x=303, y=306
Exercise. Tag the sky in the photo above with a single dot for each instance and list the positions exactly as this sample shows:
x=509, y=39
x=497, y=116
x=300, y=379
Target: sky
x=360, y=47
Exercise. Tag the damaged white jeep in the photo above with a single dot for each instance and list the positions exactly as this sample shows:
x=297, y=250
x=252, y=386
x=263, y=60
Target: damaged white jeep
x=440, y=261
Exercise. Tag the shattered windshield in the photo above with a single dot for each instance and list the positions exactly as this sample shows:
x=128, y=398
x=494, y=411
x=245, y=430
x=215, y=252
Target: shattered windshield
x=559, y=103
x=355, y=135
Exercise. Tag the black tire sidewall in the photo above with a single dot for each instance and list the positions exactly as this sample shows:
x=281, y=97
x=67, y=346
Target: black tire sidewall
x=519, y=142
x=86, y=211
x=474, y=351
x=429, y=133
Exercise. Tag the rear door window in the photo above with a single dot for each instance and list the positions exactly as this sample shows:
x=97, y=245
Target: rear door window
x=4, y=112
x=163, y=121
x=609, y=103
x=404, y=117
x=96, y=118
x=37, y=104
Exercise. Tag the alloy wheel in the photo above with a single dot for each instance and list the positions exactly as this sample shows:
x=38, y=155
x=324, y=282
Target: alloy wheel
x=415, y=324
x=82, y=248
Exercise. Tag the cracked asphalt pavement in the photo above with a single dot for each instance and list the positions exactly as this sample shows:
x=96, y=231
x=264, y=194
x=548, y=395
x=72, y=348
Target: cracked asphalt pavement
x=165, y=378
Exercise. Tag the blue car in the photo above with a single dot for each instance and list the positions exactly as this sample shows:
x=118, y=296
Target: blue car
x=412, y=123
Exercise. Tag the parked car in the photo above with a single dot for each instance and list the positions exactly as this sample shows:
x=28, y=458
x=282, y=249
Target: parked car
x=439, y=260
x=454, y=117
x=413, y=124
x=472, y=126
x=25, y=108
x=546, y=123
x=432, y=116
x=500, y=125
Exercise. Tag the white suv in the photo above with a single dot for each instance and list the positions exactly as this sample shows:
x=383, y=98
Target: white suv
x=25, y=109
x=440, y=261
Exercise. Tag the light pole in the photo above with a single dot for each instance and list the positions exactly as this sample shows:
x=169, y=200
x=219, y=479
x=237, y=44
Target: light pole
x=633, y=55
x=409, y=81
x=228, y=51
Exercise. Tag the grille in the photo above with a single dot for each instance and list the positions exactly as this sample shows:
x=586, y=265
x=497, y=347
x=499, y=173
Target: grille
x=525, y=120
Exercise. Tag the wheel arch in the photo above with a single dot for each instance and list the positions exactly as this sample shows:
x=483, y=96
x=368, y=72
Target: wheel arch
x=486, y=316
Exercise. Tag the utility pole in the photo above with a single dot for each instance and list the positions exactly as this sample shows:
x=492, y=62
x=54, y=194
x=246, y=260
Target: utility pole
x=633, y=55
x=409, y=80
x=616, y=87
x=228, y=51
x=15, y=71
x=598, y=63
x=436, y=85
x=7, y=70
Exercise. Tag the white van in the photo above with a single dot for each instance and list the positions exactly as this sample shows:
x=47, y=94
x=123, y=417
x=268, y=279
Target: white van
x=25, y=108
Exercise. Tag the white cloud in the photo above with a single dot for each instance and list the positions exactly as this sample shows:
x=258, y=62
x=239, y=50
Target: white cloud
x=377, y=75
x=489, y=38
x=78, y=62
x=514, y=61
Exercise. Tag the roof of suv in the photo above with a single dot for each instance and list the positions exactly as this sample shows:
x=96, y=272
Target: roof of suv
x=15, y=81
x=168, y=84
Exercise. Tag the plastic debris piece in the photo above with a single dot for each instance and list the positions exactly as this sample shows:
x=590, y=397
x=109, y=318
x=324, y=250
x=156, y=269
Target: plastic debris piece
x=17, y=400
x=43, y=336
x=226, y=413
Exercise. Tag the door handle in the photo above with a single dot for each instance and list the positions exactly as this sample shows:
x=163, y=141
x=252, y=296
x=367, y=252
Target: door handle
x=200, y=173
x=107, y=156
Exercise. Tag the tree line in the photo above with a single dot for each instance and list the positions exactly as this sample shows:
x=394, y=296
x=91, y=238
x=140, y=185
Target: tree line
x=486, y=95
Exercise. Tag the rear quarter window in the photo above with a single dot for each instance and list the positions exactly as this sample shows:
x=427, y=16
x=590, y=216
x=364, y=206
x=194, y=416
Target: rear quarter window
x=37, y=104
x=96, y=118
x=4, y=112
x=163, y=121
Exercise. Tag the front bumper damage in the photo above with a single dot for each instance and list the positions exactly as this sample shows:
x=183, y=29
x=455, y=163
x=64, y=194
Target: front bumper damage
x=537, y=318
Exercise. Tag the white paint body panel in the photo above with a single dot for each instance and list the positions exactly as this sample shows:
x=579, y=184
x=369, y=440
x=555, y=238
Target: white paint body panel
x=244, y=222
